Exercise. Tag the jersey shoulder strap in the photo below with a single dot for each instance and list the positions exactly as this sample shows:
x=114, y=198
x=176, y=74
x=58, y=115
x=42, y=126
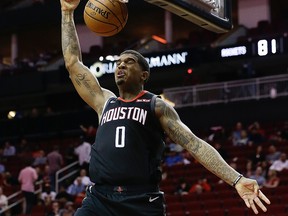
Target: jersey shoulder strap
x=106, y=103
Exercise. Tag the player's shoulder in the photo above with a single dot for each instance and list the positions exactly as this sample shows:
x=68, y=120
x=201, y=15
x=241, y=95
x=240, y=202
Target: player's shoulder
x=162, y=106
x=159, y=100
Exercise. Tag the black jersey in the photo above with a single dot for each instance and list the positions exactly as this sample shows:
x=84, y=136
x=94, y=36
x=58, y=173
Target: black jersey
x=129, y=143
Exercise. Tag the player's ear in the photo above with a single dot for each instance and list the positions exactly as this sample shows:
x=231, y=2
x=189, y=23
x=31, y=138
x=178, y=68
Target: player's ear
x=145, y=76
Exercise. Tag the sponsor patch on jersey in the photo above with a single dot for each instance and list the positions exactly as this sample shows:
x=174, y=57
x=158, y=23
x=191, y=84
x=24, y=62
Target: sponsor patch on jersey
x=143, y=100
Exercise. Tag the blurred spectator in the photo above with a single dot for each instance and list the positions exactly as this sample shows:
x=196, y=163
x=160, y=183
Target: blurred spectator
x=280, y=164
x=41, y=61
x=243, y=140
x=2, y=166
x=249, y=168
x=79, y=198
x=173, y=146
x=9, y=180
x=40, y=159
x=255, y=133
x=9, y=149
x=27, y=178
x=183, y=187
x=258, y=156
x=68, y=209
x=3, y=200
x=35, y=151
x=55, y=162
x=47, y=196
x=217, y=134
x=23, y=147
x=274, y=135
x=44, y=174
x=90, y=132
x=187, y=157
x=39, y=173
x=265, y=168
x=84, y=178
x=201, y=186
x=77, y=188
x=83, y=153
x=272, y=155
x=236, y=133
x=258, y=176
x=173, y=158
x=55, y=209
x=62, y=196
x=272, y=180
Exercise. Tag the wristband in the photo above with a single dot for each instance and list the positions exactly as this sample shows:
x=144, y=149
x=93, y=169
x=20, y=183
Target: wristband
x=237, y=180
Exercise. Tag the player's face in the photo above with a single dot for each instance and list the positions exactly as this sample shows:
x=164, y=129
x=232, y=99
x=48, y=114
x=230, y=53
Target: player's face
x=128, y=70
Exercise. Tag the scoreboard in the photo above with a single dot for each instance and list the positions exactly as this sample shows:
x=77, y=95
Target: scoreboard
x=257, y=47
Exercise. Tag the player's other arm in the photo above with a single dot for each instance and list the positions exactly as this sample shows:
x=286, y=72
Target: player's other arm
x=208, y=156
x=198, y=148
x=82, y=78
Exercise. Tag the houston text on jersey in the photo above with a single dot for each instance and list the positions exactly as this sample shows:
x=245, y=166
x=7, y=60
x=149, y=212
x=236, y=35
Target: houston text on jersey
x=134, y=113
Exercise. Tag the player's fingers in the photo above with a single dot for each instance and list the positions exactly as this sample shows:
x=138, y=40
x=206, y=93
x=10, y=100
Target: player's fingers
x=256, y=189
x=263, y=197
x=260, y=204
x=252, y=205
x=247, y=203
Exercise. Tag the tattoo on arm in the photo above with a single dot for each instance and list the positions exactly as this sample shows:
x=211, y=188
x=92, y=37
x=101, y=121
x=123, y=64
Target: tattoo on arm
x=199, y=149
x=84, y=79
x=70, y=42
x=176, y=130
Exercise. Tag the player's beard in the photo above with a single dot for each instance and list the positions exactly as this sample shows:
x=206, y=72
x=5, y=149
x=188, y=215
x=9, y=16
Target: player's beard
x=119, y=81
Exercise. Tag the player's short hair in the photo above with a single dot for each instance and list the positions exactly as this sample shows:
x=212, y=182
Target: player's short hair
x=141, y=59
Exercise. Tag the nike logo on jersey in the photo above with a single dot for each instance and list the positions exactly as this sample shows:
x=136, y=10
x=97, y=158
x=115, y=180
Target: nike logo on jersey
x=143, y=100
x=153, y=199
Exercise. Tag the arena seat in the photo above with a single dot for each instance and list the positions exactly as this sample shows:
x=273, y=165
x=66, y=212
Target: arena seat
x=236, y=211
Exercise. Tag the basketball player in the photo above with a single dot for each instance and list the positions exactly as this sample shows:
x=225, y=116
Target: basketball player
x=126, y=155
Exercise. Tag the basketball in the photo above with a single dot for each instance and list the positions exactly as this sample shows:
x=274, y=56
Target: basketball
x=105, y=17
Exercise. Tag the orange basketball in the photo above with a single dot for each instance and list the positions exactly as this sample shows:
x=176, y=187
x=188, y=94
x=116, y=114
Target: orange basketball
x=105, y=17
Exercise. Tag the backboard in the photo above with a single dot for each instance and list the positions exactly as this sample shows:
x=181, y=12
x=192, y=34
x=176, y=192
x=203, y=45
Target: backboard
x=214, y=15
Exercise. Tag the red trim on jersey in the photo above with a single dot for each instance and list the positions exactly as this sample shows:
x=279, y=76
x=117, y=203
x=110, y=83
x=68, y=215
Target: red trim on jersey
x=138, y=96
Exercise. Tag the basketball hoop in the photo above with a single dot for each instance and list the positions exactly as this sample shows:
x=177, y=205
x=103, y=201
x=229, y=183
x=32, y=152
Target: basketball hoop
x=213, y=15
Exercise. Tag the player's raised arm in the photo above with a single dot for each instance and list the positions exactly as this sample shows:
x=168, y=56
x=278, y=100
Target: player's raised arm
x=208, y=156
x=83, y=80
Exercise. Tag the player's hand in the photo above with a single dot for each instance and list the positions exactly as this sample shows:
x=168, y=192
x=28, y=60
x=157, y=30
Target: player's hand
x=69, y=5
x=249, y=191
